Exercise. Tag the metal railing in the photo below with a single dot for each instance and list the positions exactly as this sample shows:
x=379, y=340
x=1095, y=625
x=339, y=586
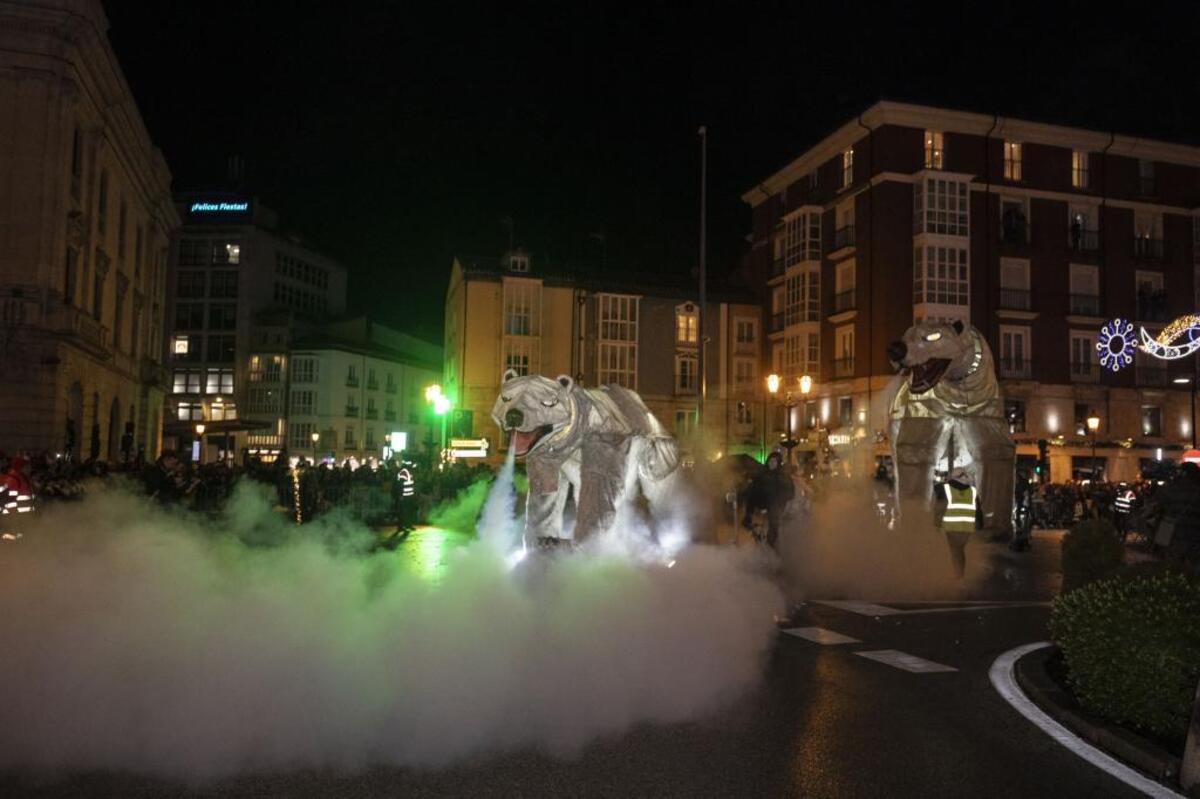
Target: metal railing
x=1014, y=233
x=389, y=416
x=352, y=410
x=1144, y=247
x=1016, y=368
x=351, y=382
x=843, y=237
x=1015, y=299
x=372, y=413
x=1085, y=372
x=390, y=388
x=1085, y=304
x=372, y=385
x=843, y=301
x=1085, y=241
x=843, y=367
x=1152, y=306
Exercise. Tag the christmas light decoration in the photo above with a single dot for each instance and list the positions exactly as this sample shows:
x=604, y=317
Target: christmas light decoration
x=1116, y=344
x=1177, y=340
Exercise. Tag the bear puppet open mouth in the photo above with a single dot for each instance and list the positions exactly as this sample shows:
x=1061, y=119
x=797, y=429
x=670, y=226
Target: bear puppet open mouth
x=926, y=375
x=525, y=440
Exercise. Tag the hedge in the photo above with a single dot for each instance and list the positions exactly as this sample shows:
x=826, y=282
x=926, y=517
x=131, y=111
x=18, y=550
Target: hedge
x=1091, y=550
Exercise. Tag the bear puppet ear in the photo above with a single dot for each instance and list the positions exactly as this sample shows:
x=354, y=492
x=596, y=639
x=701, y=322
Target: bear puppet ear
x=566, y=382
x=510, y=374
x=958, y=326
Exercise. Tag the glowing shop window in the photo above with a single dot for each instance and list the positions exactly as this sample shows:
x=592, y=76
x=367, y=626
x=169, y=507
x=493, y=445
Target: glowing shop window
x=181, y=345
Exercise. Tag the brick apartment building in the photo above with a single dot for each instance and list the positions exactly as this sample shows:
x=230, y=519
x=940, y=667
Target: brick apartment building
x=1037, y=234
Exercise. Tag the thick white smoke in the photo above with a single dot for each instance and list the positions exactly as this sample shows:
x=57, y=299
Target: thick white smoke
x=137, y=639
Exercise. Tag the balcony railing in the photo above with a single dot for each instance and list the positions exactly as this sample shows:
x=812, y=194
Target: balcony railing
x=843, y=367
x=1147, y=248
x=1152, y=305
x=389, y=416
x=1085, y=241
x=1085, y=372
x=1085, y=304
x=1150, y=374
x=390, y=388
x=351, y=382
x=843, y=301
x=372, y=385
x=352, y=410
x=79, y=325
x=843, y=237
x=1014, y=232
x=1015, y=299
x=1016, y=368
x=777, y=322
x=372, y=413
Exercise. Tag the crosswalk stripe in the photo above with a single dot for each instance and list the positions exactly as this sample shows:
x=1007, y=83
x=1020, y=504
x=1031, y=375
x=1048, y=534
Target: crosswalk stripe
x=819, y=635
x=905, y=661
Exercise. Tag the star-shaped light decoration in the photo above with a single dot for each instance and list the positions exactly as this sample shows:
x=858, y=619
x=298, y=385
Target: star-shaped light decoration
x=1116, y=344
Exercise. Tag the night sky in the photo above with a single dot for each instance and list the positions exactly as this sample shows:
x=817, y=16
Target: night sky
x=392, y=135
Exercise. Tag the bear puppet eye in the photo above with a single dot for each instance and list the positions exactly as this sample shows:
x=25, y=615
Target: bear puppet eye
x=550, y=403
x=934, y=336
x=505, y=399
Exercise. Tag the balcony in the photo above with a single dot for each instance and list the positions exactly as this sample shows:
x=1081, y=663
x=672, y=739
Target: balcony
x=1015, y=299
x=1085, y=304
x=1151, y=305
x=843, y=301
x=79, y=326
x=1150, y=374
x=351, y=382
x=352, y=410
x=1085, y=372
x=390, y=388
x=843, y=237
x=1014, y=231
x=153, y=374
x=389, y=416
x=372, y=385
x=843, y=367
x=1147, y=248
x=777, y=323
x=1085, y=242
x=1016, y=368
x=372, y=413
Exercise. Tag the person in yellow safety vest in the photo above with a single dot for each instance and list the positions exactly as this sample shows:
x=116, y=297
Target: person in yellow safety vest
x=959, y=517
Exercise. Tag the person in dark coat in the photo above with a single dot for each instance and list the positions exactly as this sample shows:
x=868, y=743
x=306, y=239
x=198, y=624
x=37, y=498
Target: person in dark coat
x=1179, y=503
x=771, y=490
x=162, y=479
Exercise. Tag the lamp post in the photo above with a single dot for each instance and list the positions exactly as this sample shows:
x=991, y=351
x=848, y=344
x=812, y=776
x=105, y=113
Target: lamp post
x=789, y=401
x=441, y=406
x=200, y=438
x=1093, y=424
x=315, y=438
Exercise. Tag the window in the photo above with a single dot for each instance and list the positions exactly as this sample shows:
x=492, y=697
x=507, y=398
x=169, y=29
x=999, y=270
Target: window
x=76, y=162
x=617, y=345
x=370, y=442
x=522, y=299
x=745, y=373
x=746, y=331
x=1080, y=175
x=351, y=440
x=843, y=288
x=221, y=349
x=940, y=207
x=847, y=167
x=1014, y=220
x=303, y=402
x=1083, y=353
x=193, y=252
x=802, y=238
x=190, y=284
x=1014, y=284
x=122, y=220
x=843, y=355
x=224, y=284
x=222, y=317
x=1014, y=412
x=745, y=416
x=189, y=412
x=1151, y=297
x=102, y=204
x=179, y=345
x=1012, y=160
x=71, y=276
x=222, y=411
x=98, y=285
x=518, y=263
x=1081, y=414
x=933, y=149
x=686, y=374
x=1146, y=182
x=520, y=356
x=940, y=276
x=266, y=368
x=803, y=297
x=264, y=400
x=220, y=381
x=685, y=422
x=352, y=376
x=1014, y=351
x=1151, y=421
x=227, y=252
x=189, y=316
x=687, y=325
x=300, y=438
x=186, y=381
x=1083, y=228
x=845, y=411
x=304, y=370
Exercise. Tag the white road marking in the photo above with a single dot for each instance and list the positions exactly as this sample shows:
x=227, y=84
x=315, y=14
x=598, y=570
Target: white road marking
x=905, y=661
x=819, y=635
x=874, y=609
x=1005, y=684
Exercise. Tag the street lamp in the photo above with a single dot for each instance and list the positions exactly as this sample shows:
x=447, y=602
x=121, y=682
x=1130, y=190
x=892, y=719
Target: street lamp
x=1192, y=418
x=200, y=438
x=788, y=403
x=1093, y=424
x=441, y=406
x=315, y=438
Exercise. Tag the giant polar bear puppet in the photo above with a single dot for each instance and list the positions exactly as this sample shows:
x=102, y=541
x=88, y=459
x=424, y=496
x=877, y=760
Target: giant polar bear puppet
x=947, y=386
x=602, y=442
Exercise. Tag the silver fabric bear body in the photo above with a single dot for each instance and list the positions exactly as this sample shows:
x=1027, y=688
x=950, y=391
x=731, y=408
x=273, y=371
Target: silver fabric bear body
x=601, y=442
x=947, y=387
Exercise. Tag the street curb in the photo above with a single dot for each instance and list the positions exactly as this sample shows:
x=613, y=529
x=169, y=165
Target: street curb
x=1031, y=676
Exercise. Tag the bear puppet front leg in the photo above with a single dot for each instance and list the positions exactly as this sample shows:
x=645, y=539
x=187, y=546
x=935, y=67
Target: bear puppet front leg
x=602, y=480
x=547, y=497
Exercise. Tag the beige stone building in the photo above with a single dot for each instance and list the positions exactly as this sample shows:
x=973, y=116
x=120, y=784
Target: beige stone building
x=85, y=220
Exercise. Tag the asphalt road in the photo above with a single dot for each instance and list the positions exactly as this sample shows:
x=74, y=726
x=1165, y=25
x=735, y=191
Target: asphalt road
x=827, y=721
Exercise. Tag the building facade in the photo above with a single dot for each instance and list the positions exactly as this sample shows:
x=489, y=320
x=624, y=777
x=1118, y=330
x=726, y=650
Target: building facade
x=1036, y=234
x=85, y=220
x=509, y=313
x=240, y=289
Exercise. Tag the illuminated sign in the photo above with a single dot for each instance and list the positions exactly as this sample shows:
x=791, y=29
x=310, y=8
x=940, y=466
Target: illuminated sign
x=468, y=447
x=201, y=207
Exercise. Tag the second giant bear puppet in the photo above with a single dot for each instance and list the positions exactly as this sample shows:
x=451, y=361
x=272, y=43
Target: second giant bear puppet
x=947, y=387
x=602, y=442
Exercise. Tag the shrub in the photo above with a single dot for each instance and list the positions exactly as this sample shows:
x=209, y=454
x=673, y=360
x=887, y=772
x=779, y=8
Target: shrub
x=1132, y=649
x=1091, y=551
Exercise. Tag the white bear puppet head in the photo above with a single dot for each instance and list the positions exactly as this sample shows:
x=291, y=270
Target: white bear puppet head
x=932, y=351
x=533, y=407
